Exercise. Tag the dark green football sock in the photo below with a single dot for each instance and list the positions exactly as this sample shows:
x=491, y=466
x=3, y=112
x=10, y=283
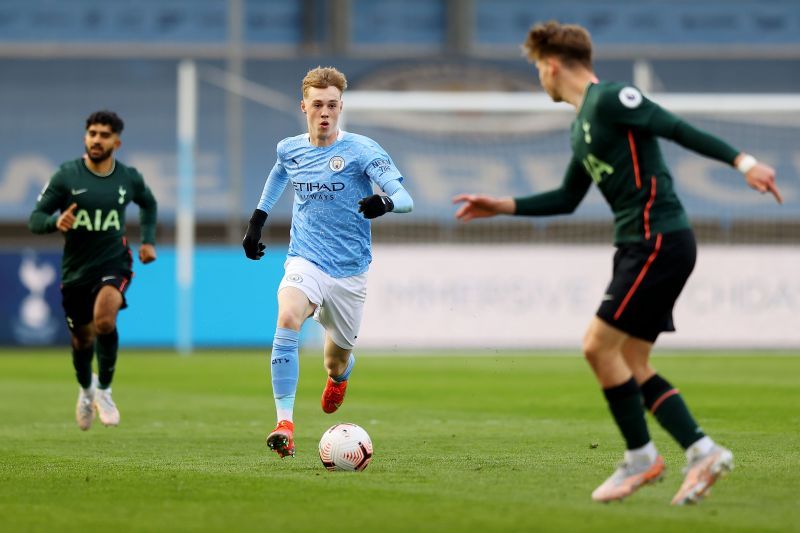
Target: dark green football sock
x=667, y=405
x=82, y=362
x=625, y=402
x=107, y=346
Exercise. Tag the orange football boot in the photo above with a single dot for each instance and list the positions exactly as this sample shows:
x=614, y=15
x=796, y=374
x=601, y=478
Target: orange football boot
x=333, y=395
x=282, y=439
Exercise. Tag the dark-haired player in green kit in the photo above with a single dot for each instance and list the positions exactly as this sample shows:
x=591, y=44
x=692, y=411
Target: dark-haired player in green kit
x=614, y=144
x=91, y=194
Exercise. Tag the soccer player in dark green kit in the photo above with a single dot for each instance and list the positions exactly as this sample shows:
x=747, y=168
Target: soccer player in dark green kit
x=91, y=195
x=614, y=144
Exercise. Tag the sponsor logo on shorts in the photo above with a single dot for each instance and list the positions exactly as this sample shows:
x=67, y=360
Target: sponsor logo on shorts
x=294, y=278
x=336, y=163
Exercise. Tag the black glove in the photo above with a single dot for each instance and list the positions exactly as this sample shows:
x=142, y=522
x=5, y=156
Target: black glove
x=375, y=206
x=253, y=249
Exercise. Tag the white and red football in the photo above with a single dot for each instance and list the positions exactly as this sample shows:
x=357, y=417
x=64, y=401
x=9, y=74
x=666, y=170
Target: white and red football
x=345, y=447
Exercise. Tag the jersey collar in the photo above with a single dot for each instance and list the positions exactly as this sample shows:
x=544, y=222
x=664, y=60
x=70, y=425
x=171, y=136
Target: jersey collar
x=339, y=137
x=113, y=168
x=593, y=81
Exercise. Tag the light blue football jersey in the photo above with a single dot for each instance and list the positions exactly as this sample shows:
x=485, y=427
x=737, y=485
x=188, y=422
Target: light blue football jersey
x=328, y=182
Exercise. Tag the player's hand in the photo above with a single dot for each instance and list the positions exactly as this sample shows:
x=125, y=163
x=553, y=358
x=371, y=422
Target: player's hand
x=66, y=219
x=481, y=206
x=254, y=249
x=762, y=178
x=375, y=206
x=147, y=253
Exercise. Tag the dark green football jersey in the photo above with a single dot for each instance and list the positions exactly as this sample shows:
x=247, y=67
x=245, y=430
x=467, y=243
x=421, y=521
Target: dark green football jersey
x=96, y=244
x=614, y=142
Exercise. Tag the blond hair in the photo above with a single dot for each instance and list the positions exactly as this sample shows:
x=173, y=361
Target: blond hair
x=322, y=78
x=568, y=42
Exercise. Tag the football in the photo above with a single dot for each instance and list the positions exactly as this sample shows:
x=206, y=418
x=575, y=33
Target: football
x=345, y=447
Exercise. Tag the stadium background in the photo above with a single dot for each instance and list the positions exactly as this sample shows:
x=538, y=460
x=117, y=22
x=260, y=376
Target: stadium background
x=507, y=283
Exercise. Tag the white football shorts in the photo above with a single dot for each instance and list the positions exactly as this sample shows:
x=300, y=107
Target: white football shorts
x=339, y=301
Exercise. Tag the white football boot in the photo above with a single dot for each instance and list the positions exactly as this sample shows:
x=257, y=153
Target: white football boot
x=106, y=408
x=633, y=473
x=703, y=470
x=85, y=410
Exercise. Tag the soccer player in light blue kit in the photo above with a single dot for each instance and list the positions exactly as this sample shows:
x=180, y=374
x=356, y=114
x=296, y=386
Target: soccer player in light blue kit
x=332, y=172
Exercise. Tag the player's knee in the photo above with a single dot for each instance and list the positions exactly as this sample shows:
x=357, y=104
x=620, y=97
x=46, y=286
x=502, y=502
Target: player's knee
x=82, y=341
x=105, y=325
x=593, y=350
x=289, y=320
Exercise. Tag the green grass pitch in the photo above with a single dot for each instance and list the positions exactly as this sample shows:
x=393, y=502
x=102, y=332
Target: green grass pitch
x=494, y=442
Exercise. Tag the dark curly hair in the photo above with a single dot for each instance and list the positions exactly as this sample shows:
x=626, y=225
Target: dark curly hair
x=108, y=118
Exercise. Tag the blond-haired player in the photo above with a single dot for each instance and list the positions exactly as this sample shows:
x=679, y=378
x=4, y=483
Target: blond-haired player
x=332, y=173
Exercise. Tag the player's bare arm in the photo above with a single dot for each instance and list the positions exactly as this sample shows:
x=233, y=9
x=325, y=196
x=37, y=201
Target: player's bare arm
x=482, y=206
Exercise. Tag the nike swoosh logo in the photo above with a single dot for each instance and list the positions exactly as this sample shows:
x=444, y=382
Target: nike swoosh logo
x=608, y=297
x=106, y=278
x=76, y=192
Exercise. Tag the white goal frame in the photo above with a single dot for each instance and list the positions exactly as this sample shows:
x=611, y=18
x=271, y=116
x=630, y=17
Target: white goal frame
x=498, y=102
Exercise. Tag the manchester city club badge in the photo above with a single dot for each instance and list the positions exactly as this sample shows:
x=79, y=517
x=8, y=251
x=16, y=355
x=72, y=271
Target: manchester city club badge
x=336, y=163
